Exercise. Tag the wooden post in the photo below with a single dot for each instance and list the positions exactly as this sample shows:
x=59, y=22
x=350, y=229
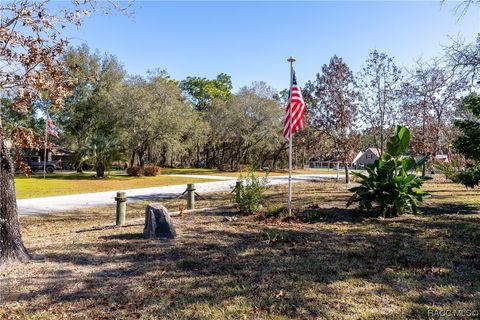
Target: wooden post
x=121, y=199
x=190, y=196
x=338, y=169
x=237, y=189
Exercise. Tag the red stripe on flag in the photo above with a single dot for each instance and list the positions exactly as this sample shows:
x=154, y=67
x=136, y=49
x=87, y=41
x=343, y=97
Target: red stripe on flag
x=294, y=112
x=52, y=130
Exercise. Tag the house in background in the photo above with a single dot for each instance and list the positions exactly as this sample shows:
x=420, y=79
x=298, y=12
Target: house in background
x=364, y=158
x=360, y=160
x=441, y=158
x=323, y=162
x=57, y=152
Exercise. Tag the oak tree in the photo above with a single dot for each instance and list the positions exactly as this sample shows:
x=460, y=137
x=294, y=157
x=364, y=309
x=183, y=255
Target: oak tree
x=31, y=70
x=430, y=100
x=378, y=84
x=335, y=111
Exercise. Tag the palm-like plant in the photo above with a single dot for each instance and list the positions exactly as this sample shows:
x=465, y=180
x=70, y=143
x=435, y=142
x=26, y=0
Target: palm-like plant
x=102, y=152
x=392, y=184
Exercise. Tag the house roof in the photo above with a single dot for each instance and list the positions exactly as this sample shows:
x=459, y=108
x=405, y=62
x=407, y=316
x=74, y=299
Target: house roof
x=359, y=154
x=60, y=151
x=374, y=151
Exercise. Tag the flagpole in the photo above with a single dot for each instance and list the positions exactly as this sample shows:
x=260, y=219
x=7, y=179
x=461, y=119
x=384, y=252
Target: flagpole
x=45, y=147
x=291, y=59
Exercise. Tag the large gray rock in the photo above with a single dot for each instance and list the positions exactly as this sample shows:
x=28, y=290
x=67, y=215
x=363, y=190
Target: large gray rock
x=158, y=223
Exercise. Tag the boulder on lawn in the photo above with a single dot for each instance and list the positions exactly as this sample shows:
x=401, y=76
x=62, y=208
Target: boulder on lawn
x=158, y=223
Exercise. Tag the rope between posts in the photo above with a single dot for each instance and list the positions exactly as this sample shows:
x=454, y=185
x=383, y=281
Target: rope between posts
x=182, y=195
x=196, y=194
x=177, y=197
x=236, y=187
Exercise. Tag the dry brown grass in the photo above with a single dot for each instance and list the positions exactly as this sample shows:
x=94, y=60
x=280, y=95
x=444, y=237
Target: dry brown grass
x=340, y=265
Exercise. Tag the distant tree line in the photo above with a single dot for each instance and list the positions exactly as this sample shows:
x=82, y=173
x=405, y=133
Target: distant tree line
x=112, y=116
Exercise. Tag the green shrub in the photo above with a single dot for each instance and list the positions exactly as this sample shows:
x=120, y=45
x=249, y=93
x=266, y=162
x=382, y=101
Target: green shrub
x=470, y=176
x=392, y=184
x=135, y=171
x=272, y=235
x=249, y=193
x=468, y=141
x=450, y=170
x=151, y=170
x=276, y=213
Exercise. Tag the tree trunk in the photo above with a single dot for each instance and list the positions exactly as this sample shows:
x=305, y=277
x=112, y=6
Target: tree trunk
x=214, y=157
x=197, y=162
x=424, y=167
x=207, y=156
x=262, y=164
x=303, y=157
x=100, y=169
x=142, y=161
x=79, y=167
x=132, y=159
x=347, y=176
x=11, y=244
x=277, y=154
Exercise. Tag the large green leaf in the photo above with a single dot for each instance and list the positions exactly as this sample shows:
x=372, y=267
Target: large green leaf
x=404, y=136
x=408, y=163
x=398, y=144
x=391, y=183
x=419, y=161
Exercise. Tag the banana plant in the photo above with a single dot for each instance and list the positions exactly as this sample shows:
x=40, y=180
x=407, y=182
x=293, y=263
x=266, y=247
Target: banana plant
x=391, y=185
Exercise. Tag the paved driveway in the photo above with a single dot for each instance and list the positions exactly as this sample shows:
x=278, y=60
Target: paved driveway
x=96, y=199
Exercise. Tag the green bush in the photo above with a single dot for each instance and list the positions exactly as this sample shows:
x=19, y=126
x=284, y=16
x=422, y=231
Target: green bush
x=470, y=176
x=135, y=171
x=152, y=170
x=249, y=193
x=450, y=170
x=392, y=184
x=276, y=213
x=468, y=141
x=275, y=236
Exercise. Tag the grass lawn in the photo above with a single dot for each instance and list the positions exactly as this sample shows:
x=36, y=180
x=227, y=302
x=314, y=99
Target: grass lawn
x=328, y=263
x=62, y=184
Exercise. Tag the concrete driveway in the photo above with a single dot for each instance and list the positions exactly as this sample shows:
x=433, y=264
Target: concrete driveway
x=85, y=200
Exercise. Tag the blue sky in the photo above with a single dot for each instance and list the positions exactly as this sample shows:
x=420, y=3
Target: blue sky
x=251, y=40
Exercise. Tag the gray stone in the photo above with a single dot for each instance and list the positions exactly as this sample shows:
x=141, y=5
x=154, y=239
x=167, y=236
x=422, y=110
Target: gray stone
x=158, y=223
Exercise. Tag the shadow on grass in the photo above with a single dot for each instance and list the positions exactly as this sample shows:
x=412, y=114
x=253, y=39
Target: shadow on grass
x=190, y=171
x=74, y=176
x=124, y=236
x=449, y=208
x=334, y=215
x=316, y=270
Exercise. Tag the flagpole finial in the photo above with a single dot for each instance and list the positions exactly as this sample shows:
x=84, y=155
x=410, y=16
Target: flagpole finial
x=291, y=59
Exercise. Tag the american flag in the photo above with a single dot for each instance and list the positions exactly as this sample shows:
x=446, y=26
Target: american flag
x=295, y=109
x=52, y=130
